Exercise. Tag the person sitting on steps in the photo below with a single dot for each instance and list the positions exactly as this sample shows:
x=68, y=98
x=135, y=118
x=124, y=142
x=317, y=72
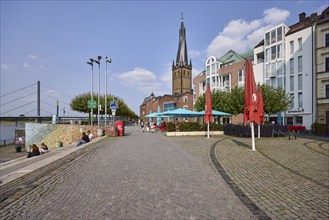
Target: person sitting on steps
x=84, y=139
x=34, y=151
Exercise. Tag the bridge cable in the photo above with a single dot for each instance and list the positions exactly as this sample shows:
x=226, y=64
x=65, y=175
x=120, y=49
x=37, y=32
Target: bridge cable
x=18, y=99
x=17, y=108
x=17, y=90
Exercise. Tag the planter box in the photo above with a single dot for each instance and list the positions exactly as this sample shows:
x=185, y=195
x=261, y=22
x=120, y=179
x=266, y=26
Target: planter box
x=193, y=133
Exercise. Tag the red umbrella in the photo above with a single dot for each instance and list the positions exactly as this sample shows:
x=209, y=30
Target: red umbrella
x=208, y=106
x=250, y=96
x=250, y=101
x=260, y=105
x=208, y=109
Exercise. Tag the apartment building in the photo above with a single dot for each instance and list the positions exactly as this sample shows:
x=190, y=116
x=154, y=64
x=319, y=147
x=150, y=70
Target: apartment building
x=322, y=68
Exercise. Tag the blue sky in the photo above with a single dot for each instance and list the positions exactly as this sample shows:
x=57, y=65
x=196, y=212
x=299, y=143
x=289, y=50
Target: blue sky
x=51, y=41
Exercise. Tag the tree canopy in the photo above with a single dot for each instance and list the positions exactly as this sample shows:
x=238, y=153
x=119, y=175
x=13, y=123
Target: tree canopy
x=80, y=104
x=275, y=100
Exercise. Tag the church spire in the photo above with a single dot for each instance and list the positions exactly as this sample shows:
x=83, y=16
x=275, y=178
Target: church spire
x=182, y=58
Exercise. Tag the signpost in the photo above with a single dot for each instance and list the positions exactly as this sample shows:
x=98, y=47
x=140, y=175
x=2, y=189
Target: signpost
x=91, y=103
x=114, y=105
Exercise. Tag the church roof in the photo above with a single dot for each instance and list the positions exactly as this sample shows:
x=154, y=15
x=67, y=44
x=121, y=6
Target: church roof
x=182, y=58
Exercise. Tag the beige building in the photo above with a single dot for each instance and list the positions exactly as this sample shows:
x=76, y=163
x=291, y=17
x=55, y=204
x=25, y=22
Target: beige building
x=322, y=68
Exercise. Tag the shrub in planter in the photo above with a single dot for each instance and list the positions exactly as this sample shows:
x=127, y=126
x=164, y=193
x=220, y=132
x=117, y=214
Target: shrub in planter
x=189, y=126
x=319, y=128
x=212, y=127
x=170, y=126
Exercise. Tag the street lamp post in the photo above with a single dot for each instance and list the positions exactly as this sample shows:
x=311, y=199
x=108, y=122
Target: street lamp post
x=108, y=60
x=99, y=85
x=92, y=88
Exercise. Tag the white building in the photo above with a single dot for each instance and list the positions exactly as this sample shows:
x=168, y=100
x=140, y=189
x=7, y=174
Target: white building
x=289, y=64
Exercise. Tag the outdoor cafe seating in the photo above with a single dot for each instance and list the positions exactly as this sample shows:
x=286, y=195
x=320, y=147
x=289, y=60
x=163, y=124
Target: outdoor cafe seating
x=239, y=130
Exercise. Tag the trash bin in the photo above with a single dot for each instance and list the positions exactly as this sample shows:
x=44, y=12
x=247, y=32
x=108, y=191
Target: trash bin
x=59, y=144
x=100, y=132
x=18, y=149
x=121, y=127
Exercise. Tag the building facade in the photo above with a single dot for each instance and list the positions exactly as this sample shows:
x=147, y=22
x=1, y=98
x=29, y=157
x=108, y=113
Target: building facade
x=322, y=68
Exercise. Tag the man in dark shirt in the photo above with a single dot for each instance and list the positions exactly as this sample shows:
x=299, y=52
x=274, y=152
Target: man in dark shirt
x=85, y=139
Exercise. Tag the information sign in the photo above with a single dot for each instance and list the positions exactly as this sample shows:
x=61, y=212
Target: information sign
x=91, y=103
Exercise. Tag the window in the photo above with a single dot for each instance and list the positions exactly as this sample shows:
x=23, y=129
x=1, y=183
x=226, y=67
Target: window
x=291, y=83
x=300, y=100
x=185, y=98
x=326, y=61
x=279, y=33
x=300, y=44
x=267, y=39
x=292, y=103
x=212, y=68
x=280, y=82
x=267, y=70
x=279, y=69
x=241, y=76
x=327, y=91
x=300, y=64
x=299, y=120
x=185, y=106
x=290, y=120
x=291, y=47
x=279, y=52
x=267, y=54
x=273, y=37
x=300, y=82
x=208, y=70
x=273, y=53
x=169, y=106
x=291, y=64
x=273, y=69
x=326, y=39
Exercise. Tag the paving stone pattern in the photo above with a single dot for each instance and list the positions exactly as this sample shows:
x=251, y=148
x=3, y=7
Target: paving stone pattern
x=283, y=178
x=139, y=176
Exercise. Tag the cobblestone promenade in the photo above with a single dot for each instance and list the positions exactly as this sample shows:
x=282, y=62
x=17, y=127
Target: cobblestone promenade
x=287, y=179
x=139, y=176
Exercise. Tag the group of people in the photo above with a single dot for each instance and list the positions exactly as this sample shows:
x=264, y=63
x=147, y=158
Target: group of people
x=148, y=126
x=85, y=138
x=35, y=150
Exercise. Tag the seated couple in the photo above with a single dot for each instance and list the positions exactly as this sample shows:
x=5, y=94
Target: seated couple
x=85, y=138
x=35, y=150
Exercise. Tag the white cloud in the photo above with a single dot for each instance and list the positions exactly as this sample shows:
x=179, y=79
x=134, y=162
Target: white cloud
x=139, y=78
x=194, y=54
x=275, y=16
x=27, y=66
x=5, y=67
x=240, y=35
x=32, y=56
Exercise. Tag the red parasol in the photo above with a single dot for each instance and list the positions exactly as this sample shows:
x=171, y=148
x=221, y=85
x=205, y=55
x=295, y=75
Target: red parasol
x=260, y=105
x=250, y=96
x=208, y=106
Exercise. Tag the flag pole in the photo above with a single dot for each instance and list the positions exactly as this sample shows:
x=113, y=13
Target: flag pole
x=252, y=136
x=258, y=130
x=208, y=130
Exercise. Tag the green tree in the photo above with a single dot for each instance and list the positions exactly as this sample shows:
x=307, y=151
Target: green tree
x=275, y=99
x=80, y=104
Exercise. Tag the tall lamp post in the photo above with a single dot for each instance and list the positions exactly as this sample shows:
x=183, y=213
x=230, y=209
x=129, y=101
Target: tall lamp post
x=99, y=85
x=92, y=88
x=108, y=60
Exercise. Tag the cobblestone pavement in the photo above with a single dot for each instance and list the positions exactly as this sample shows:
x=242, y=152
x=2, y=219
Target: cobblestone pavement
x=287, y=179
x=139, y=176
